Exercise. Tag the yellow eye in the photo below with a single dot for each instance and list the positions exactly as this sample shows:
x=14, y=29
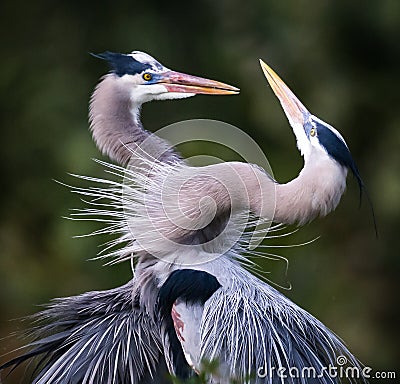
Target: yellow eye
x=313, y=132
x=147, y=76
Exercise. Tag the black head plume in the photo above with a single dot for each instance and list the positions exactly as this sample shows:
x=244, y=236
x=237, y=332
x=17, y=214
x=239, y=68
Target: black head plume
x=122, y=64
x=338, y=150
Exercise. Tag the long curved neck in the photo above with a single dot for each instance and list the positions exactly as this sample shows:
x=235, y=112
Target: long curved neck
x=315, y=192
x=116, y=126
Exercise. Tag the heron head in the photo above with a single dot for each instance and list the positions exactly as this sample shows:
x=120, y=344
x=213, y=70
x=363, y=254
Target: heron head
x=149, y=80
x=312, y=134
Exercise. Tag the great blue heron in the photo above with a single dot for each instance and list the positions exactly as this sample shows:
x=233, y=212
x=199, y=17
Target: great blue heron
x=191, y=299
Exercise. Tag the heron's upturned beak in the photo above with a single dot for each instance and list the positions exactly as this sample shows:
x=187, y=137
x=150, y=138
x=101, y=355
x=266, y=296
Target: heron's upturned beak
x=182, y=83
x=295, y=111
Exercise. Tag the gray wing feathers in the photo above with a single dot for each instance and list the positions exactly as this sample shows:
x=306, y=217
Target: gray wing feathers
x=95, y=338
x=248, y=330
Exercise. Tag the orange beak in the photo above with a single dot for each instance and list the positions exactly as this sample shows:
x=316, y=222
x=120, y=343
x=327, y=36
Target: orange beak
x=182, y=83
x=295, y=111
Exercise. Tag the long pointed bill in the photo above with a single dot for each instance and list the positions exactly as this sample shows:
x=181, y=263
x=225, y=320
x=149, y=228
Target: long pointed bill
x=182, y=83
x=295, y=111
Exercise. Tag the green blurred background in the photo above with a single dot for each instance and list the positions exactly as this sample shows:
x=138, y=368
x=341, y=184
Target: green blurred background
x=341, y=58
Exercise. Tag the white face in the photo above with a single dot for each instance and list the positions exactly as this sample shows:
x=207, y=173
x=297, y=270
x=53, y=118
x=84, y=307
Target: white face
x=307, y=135
x=144, y=86
x=303, y=143
x=334, y=130
x=320, y=138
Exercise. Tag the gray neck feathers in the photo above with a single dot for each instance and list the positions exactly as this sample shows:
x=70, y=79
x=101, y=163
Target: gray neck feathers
x=116, y=127
x=315, y=192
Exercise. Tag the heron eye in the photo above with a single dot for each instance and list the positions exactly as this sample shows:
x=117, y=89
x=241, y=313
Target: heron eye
x=313, y=132
x=147, y=76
